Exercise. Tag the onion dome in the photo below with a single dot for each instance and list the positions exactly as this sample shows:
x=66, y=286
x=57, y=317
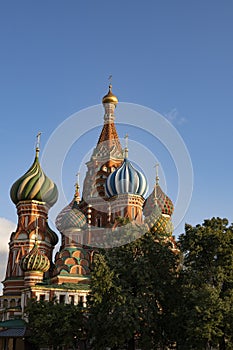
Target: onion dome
x=160, y=199
x=34, y=185
x=71, y=217
x=35, y=261
x=126, y=179
x=62, y=213
x=110, y=97
x=160, y=223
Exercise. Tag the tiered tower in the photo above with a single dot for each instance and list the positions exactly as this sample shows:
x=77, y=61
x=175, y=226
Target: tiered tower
x=106, y=158
x=33, y=194
x=72, y=262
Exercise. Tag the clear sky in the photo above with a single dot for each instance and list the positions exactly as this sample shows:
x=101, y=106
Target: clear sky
x=175, y=57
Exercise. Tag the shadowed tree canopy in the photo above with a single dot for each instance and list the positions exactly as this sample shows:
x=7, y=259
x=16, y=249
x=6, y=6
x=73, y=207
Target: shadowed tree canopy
x=55, y=325
x=131, y=296
x=149, y=294
x=205, y=317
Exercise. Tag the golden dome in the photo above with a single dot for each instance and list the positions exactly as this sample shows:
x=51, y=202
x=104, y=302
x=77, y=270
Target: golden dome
x=110, y=97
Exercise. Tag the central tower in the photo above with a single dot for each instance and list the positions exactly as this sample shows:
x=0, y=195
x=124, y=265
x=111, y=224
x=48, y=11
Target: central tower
x=107, y=156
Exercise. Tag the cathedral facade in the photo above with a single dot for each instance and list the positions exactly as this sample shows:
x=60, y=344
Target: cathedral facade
x=113, y=188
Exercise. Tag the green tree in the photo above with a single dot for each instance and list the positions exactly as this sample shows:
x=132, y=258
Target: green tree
x=132, y=292
x=55, y=325
x=205, y=305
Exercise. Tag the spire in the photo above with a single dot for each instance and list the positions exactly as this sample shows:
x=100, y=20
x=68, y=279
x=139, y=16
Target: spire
x=109, y=136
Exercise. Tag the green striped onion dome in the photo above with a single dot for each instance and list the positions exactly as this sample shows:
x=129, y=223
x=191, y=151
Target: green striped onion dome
x=34, y=185
x=35, y=261
x=70, y=218
x=160, y=199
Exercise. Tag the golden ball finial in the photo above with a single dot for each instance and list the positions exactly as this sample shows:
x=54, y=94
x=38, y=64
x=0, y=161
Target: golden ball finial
x=110, y=97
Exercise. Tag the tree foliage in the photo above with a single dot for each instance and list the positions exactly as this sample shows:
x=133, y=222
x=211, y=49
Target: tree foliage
x=131, y=294
x=143, y=292
x=205, y=317
x=55, y=325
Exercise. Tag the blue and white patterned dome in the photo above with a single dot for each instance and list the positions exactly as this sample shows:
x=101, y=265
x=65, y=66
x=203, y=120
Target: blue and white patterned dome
x=126, y=179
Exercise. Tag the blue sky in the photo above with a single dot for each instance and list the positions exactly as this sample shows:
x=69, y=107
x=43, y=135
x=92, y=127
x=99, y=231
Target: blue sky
x=175, y=57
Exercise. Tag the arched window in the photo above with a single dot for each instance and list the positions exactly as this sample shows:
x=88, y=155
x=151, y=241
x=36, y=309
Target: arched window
x=99, y=221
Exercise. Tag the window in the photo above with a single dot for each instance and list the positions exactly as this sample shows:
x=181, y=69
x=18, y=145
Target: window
x=42, y=297
x=80, y=300
x=72, y=299
x=62, y=299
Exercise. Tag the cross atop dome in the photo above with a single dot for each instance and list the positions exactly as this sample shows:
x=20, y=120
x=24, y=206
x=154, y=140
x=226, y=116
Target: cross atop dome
x=38, y=143
x=157, y=173
x=126, y=146
x=77, y=187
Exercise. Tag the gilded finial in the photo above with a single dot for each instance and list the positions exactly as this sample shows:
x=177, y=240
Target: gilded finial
x=110, y=83
x=156, y=179
x=77, y=194
x=126, y=145
x=38, y=143
x=157, y=173
x=77, y=179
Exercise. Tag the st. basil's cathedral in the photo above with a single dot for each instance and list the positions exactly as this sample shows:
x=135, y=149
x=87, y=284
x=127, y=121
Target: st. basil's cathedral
x=113, y=188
